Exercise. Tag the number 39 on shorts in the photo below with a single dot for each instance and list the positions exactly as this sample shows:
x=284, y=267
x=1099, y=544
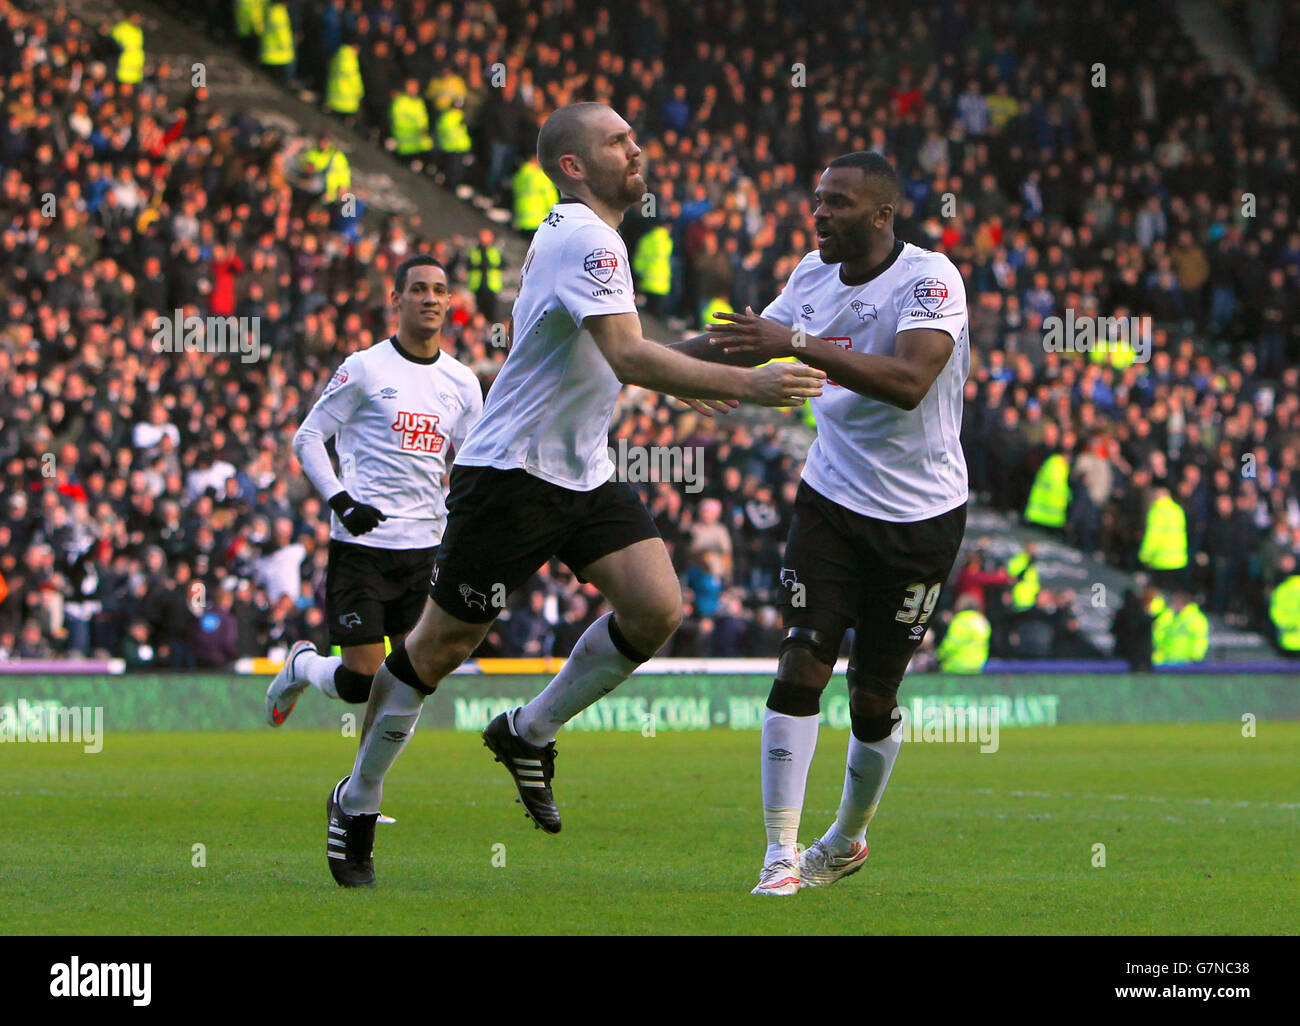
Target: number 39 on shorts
x=918, y=603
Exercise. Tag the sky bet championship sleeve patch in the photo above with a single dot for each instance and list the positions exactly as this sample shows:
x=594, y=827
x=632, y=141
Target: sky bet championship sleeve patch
x=930, y=292
x=335, y=383
x=601, y=264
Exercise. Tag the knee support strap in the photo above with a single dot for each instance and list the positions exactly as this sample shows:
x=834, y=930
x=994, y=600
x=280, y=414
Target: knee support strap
x=400, y=666
x=873, y=702
x=353, y=687
x=793, y=699
x=818, y=642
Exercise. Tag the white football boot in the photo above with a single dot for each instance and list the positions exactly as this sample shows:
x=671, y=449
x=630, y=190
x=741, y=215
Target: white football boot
x=283, y=693
x=819, y=868
x=779, y=879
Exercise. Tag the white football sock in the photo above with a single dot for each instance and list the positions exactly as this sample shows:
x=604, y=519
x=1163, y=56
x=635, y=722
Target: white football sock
x=595, y=668
x=319, y=670
x=787, y=753
x=389, y=732
x=865, y=777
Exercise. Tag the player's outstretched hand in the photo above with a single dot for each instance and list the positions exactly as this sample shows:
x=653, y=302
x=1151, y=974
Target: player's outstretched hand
x=707, y=406
x=357, y=517
x=753, y=335
x=785, y=384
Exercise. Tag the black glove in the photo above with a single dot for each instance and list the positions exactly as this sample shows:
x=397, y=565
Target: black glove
x=357, y=517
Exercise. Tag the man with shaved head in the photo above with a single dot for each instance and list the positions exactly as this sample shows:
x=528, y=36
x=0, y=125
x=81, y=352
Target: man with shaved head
x=579, y=130
x=533, y=481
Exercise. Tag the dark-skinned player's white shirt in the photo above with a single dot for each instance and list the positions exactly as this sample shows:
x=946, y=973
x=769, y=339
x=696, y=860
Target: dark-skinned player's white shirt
x=394, y=417
x=869, y=456
x=549, y=409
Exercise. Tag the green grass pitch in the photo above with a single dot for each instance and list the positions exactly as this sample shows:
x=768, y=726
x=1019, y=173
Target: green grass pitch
x=661, y=835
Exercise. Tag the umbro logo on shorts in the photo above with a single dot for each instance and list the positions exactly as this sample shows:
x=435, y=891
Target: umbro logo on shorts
x=789, y=577
x=350, y=619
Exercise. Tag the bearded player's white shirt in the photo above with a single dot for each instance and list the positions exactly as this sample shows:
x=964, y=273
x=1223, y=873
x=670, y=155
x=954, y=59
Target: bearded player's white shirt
x=869, y=456
x=549, y=409
x=392, y=415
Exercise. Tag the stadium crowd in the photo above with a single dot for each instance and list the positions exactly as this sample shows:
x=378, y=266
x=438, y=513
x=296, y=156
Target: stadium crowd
x=153, y=506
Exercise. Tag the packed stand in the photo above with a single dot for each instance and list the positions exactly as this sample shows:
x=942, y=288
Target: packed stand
x=972, y=106
x=154, y=510
x=1142, y=186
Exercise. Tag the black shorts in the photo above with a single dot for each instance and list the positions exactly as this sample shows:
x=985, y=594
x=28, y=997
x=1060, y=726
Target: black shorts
x=842, y=569
x=371, y=593
x=503, y=525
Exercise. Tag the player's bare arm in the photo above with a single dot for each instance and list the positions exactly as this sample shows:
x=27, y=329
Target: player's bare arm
x=639, y=361
x=702, y=347
x=699, y=348
x=901, y=380
x=708, y=406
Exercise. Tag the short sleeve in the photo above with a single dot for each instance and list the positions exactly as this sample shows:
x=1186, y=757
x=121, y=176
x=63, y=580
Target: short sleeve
x=781, y=309
x=471, y=413
x=594, y=278
x=933, y=297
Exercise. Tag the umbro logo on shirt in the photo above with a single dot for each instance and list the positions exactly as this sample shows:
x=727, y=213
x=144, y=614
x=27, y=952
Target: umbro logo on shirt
x=807, y=312
x=388, y=393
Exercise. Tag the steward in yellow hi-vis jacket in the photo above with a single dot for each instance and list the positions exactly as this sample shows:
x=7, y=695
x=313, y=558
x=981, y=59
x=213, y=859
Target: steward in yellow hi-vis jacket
x=965, y=648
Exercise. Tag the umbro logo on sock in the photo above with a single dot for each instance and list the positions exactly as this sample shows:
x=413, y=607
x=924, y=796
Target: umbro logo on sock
x=394, y=735
x=779, y=754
